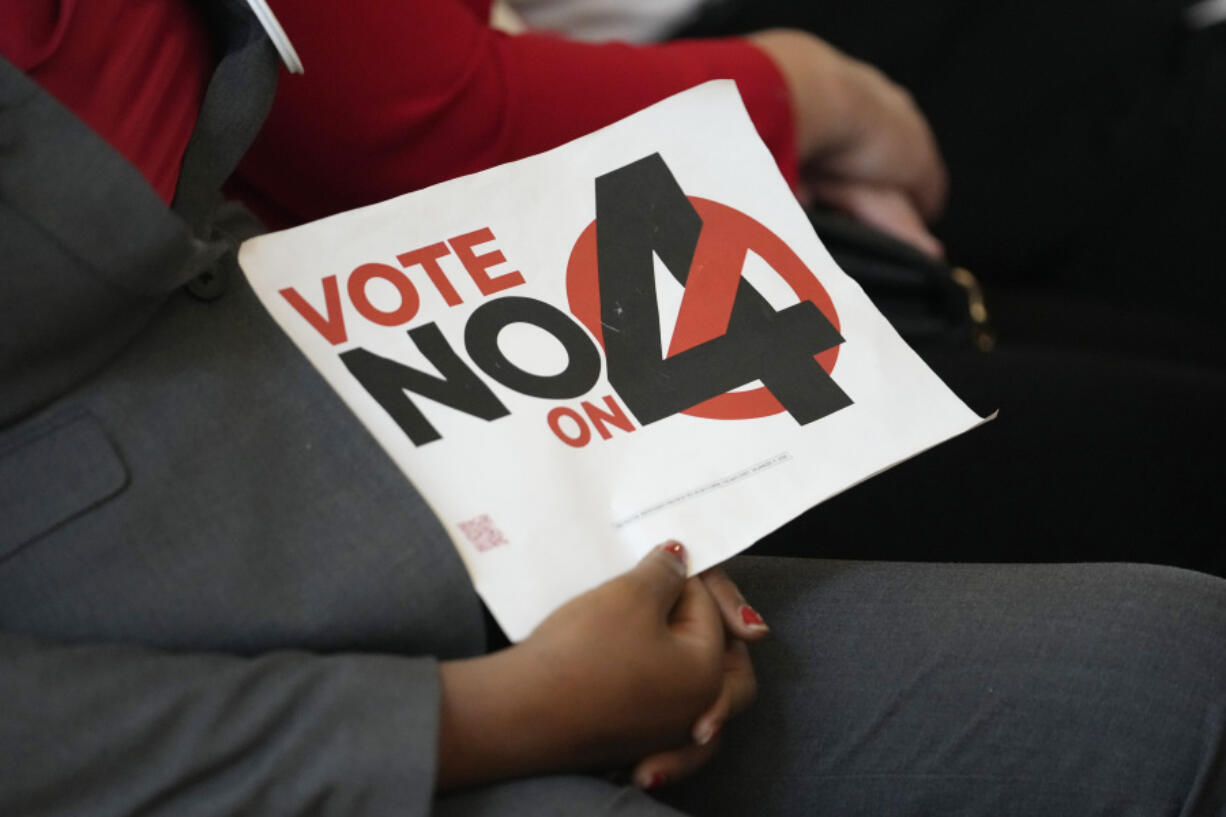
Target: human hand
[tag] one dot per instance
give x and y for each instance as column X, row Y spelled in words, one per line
column 865, row 148
column 742, row 625
column 621, row 672
column 886, row 209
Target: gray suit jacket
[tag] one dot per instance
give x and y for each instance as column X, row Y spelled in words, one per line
column 217, row 595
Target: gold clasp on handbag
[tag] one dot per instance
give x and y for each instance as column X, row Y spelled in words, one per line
column 982, row 334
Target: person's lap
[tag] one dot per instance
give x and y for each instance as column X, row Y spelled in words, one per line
column 555, row 796
column 900, row 689
column 895, row 689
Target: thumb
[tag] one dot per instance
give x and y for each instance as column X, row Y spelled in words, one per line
column 662, row 572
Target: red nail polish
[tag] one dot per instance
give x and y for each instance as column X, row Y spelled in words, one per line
column 750, row 616
column 676, row 549
column 656, row 781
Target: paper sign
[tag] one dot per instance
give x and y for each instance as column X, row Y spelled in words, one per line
column 574, row 357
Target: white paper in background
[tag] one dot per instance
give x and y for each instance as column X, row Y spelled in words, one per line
column 535, row 518
column 1206, row 13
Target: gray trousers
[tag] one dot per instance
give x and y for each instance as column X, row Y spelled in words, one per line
column 894, row 689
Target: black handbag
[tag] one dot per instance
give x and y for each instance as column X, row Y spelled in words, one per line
column 926, row 299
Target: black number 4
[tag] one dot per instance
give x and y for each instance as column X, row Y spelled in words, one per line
column 640, row 209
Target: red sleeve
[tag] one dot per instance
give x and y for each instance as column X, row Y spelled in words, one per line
column 134, row 72
column 398, row 96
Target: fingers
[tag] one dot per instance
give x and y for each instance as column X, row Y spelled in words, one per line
column 897, row 147
column 857, row 125
column 738, row 692
column 931, row 188
column 886, row 209
column 740, row 684
column 740, row 619
column 667, row 767
column 928, row 188
column 696, row 614
column 685, row 605
column 739, row 689
column 663, row 573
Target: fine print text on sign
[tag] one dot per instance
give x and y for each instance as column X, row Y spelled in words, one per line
column 633, row 337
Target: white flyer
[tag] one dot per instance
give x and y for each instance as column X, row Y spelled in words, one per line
column 631, row 338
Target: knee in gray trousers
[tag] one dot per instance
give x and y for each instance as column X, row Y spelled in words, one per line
column 922, row 689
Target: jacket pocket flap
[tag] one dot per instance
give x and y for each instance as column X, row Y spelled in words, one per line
column 53, row 473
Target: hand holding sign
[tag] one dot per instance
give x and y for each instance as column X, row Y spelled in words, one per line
column 866, row 148
column 649, row 663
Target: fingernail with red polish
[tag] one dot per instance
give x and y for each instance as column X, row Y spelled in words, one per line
column 677, row 550
column 751, row 618
column 654, row 782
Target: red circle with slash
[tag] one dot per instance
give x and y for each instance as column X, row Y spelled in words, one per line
column 714, row 275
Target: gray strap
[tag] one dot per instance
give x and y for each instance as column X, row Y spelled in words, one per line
column 235, row 105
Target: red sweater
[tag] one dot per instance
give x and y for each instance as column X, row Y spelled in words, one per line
column 398, row 96
column 134, row 72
